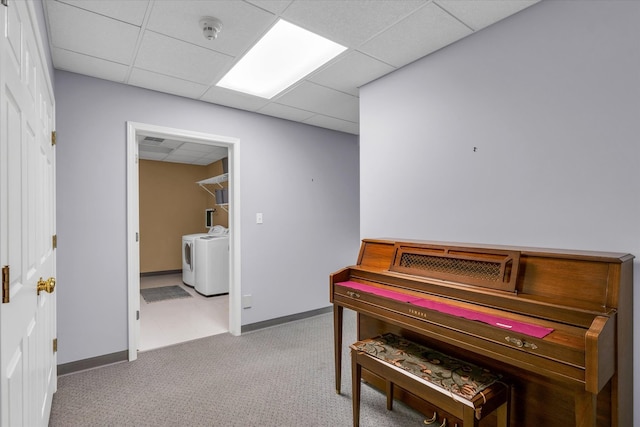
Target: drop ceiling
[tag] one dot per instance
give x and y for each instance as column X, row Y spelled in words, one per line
column 159, row 45
column 175, row 151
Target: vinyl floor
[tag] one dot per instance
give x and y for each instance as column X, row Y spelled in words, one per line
column 174, row 321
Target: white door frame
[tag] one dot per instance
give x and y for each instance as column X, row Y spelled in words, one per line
column 133, row 226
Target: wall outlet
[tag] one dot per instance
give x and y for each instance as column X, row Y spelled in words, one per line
column 259, row 218
column 246, row 301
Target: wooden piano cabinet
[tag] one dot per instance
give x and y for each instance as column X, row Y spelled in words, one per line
column 580, row 374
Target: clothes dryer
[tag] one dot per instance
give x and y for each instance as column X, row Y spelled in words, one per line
column 188, row 258
column 212, row 261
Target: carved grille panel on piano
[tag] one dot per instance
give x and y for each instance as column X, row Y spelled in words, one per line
column 558, row 323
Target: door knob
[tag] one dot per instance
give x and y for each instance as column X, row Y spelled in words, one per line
column 46, row 285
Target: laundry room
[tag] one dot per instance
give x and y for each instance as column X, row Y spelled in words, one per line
column 177, row 201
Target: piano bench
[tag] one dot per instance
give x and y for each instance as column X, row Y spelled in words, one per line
column 464, row 390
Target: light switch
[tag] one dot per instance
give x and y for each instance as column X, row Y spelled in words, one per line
column 259, row 218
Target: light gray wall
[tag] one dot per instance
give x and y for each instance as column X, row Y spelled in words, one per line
column 551, row 99
column 303, row 179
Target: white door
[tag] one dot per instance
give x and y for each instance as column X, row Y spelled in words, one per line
column 27, row 223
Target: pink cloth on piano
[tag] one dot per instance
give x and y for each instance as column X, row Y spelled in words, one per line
column 500, row 322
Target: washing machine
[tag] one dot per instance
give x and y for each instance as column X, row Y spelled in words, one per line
column 188, row 258
column 212, row 260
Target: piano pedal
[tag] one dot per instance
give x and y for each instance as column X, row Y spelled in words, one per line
column 433, row 421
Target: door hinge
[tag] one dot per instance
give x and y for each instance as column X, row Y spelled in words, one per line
column 137, row 314
column 54, row 241
column 55, row 345
column 5, row 284
column 4, row 2
column 137, row 237
column 53, row 137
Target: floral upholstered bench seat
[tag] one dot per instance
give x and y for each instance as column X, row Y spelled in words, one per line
column 464, row 390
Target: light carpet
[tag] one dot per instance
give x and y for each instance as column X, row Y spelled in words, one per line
column 277, row 376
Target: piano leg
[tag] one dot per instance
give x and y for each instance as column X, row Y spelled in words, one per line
column 586, row 406
column 337, row 336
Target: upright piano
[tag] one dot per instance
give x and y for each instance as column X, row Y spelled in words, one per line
column 558, row 324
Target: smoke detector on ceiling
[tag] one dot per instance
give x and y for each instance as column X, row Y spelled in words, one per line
column 211, row 27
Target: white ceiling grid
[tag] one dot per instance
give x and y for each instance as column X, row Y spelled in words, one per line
column 158, row 45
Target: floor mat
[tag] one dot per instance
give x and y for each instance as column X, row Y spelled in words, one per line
column 163, row 293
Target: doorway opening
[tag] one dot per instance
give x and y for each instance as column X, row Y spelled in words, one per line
column 135, row 132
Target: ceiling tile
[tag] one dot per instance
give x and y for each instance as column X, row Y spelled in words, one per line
column 174, row 159
column 242, row 23
column 479, row 14
column 319, row 99
column 332, row 123
column 201, row 149
column 202, row 162
column 426, row 31
column 216, row 153
column 285, row 112
column 165, row 55
column 162, row 83
column 350, row 72
column 234, row 99
column 170, row 143
column 183, row 152
column 83, row 32
column 273, row 6
column 88, row 65
column 349, row 22
column 128, row 11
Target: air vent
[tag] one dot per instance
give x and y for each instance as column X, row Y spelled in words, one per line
column 151, row 139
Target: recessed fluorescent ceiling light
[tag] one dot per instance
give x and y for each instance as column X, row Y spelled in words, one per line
column 283, row 56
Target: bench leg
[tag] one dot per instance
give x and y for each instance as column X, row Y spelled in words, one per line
column 356, row 376
column 389, row 395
